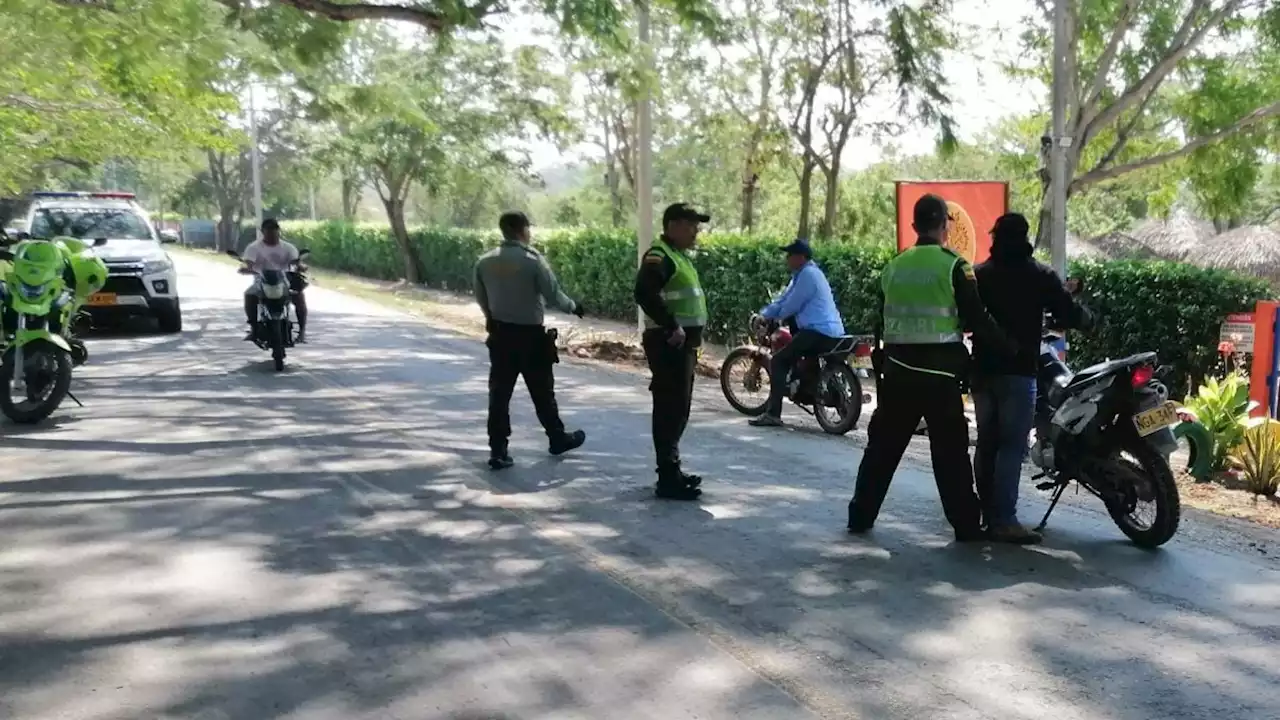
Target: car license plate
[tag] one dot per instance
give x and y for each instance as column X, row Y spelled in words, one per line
column 1156, row 419
column 100, row 299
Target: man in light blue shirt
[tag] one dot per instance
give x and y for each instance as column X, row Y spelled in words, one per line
column 809, row 304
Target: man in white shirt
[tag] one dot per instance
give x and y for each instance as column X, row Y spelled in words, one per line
column 272, row 253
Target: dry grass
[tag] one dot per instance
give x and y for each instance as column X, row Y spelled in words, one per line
column 1231, row 502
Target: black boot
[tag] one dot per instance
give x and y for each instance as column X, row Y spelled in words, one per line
column 673, row 485
column 499, row 459
column 566, row 442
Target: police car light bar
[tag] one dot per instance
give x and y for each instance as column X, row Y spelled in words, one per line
column 69, row 194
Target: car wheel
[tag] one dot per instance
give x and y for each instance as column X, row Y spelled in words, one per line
column 170, row 319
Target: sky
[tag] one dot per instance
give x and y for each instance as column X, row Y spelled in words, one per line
column 981, row 92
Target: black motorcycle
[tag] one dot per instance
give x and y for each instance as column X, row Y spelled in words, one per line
column 1107, row 427
column 275, row 329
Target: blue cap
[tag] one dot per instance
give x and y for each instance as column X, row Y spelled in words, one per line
column 799, row 247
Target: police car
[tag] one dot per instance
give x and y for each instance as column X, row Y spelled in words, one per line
column 141, row 280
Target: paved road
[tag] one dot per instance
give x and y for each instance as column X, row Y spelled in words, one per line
column 208, row 539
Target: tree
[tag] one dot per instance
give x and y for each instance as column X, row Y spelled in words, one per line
column 851, row 55
column 421, row 115
column 1150, row 82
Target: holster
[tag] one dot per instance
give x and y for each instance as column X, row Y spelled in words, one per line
column 553, row 352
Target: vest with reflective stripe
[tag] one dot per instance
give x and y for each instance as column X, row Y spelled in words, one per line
column 683, row 292
column 919, row 299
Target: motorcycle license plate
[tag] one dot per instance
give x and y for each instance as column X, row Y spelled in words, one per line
column 860, row 361
column 102, row 299
column 1156, row 419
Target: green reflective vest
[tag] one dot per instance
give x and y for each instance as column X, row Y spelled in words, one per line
column 683, row 292
column 919, row 298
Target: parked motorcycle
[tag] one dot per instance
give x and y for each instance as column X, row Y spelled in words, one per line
column 1107, row 427
column 276, row 327
column 38, row 296
column 824, row 386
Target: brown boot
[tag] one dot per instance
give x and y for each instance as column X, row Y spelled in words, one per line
column 1014, row 535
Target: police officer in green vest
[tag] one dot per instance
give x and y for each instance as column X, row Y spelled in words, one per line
column 675, row 311
column 929, row 299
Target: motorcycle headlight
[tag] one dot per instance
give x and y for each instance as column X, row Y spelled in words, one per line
column 32, row 292
column 273, row 292
column 158, row 265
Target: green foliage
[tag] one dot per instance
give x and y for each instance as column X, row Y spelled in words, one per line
column 1258, row 456
column 1172, row 309
column 1222, row 407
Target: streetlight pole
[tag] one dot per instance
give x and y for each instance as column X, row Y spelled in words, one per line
column 1059, row 144
column 644, row 154
column 254, row 160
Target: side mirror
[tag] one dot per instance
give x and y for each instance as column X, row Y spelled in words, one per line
column 303, row 254
column 99, row 242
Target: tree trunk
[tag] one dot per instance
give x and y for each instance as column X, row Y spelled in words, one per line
column 831, row 203
column 394, row 205
column 806, row 198
column 350, row 198
column 228, row 229
column 749, row 184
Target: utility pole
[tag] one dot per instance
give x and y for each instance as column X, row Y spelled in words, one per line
column 644, row 155
column 1059, row 144
column 254, row 160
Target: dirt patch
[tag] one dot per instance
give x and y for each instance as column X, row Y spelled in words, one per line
column 1230, row 502
column 616, row 351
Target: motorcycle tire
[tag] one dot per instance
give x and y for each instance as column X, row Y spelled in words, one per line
column 838, row 374
column 276, row 331
column 61, row 385
column 1165, row 492
column 749, row 356
column 79, row 353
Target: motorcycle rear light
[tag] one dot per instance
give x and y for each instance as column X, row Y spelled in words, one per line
column 1142, row 375
column 862, row 350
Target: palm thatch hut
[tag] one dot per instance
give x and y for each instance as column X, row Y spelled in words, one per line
column 1079, row 248
column 1249, row 250
column 1173, row 239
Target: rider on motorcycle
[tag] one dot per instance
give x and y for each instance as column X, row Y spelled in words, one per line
column 808, row 303
column 272, row 253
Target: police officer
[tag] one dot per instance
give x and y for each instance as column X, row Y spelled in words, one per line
column 512, row 282
column 675, row 311
column 929, row 298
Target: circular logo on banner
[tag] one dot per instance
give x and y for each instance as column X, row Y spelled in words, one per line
column 961, row 236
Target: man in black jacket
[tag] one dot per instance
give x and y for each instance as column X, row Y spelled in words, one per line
column 1016, row 290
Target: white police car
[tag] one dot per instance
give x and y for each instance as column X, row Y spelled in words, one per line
column 140, row 276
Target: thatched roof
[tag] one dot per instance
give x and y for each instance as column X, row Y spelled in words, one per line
column 1173, row 239
column 1250, row 250
column 1079, row 248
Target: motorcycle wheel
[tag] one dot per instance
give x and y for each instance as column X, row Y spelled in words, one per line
column 276, row 330
column 1155, row 485
column 79, row 353
column 753, row 367
column 29, row 411
column 839, row 393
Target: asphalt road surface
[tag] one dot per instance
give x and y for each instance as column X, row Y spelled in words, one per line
column 208, row 539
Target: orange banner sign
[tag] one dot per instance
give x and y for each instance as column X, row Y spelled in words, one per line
column 1261, row 378
column 974, row 206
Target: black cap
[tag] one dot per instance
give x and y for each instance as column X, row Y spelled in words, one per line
column 930, row 213
column 799, row 246
column 683, row 211
column 270, row 224
column 1011, row 226
column 513, row 222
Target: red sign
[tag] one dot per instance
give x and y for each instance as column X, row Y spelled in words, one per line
column 973, row 207
column 1264, row 316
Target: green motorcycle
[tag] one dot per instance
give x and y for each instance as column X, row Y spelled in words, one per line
column 38, row 296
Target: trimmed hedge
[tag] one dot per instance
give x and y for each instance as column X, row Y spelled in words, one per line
column 1171, row 308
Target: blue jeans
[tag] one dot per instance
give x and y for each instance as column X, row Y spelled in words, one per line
column 1006, row 408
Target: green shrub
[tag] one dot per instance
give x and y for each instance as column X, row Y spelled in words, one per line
column 1173, row 309
column 1170, row 308
column 1222, row 406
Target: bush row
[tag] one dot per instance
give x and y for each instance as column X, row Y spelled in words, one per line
column 1171, row 308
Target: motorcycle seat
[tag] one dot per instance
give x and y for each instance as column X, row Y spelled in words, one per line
column 1105, row 368
column 843, row 345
